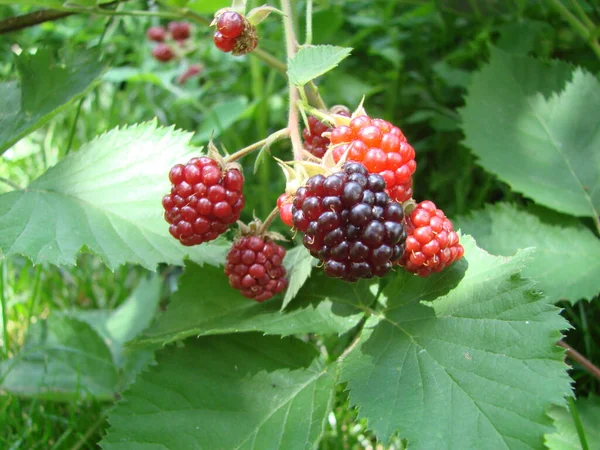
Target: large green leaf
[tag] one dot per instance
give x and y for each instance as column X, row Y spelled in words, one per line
column 227, row 392
column 298, row 263
column 313, row 61
column 106, row 198
column 535, row 125
column 62, row 359
column 46, row 87
column 475, row 368
column 205, row 304
column 566, row 261
column 566, row 436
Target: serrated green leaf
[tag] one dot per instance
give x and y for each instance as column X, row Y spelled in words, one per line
column 298, row 263
column 227, row 392
column 62, row 359
column 535, row 125
column 106, row 197
column 313, row 61
column 566, row 261
column 30, row 103
column 198, row 311
column 474, row 368
column 566, row 437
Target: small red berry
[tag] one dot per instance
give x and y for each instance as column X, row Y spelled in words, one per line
column 254, row 266
column 222, row 43
column 163, row 53
column 314, row 142
column 230, row 24
column 156, row 34
column 180, row 31
column 284, row 203
column 432, row 244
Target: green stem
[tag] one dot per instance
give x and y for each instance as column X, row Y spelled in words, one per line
column 5, row 337
column 309, row 29
column 270, row 60
column 36, row 292
column 133, row 13
column 579, row 27
column 268, row 140
column 268, row 221
column 582, row 15
column 12, row 184
column 578, row 424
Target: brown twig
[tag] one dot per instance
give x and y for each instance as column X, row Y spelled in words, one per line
column 29, row 20
column 582, row 360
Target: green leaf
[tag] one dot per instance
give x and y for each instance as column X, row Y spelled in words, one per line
column 565, row 262
column 298, row 263
column 227, row 392
column 62, row 359
column 566, row 437
column 313, row 61
column 219, row 118
column 32, row 102
column 197, row 311
column 41, row 3
column 476, row 367
column 535, row 125
column 106, row 197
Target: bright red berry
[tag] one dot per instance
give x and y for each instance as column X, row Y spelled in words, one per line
column 230, row 24
column 284, row 203
column 203, row 201
column 163, row 53
column 382, row 148
column 254, row 266
column 432, row 244
column 222, row 43
column 156, row 34
column 350, row 223
column 180, row 31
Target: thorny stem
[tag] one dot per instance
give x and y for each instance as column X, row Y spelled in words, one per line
column 576, row 356
column 268, row 221
column 284, row 132
column 580, row 28
column 290, row 45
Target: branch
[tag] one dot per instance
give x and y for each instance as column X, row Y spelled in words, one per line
column 582, row 360
column 29, row 20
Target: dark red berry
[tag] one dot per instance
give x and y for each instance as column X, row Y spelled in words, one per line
column 203, row 201
column 230, row 24
column 180, row 31
column 254, row 266
column 156, row 34
column 432, row 244
column 222, row 43
column 382, row 148
column 350, row 223
column 163, row 53
column 314, row 142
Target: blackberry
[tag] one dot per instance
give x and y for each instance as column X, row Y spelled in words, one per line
column 350, row 223
column 204, row 200
column 163, row 52
column 314, row 142
column 180, row 31
column 254, row 266
column 156, row 34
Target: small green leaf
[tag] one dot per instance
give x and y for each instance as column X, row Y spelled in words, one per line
column 565, row 262
column 535, row 125
column 298, row 263
column 566, row 436
column 313, row 61
column 227, row 392
column 477, row 366
column 30, row 103
column 106, row 197
column 198, row 311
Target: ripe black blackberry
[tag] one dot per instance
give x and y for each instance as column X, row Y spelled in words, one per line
column 350, row 223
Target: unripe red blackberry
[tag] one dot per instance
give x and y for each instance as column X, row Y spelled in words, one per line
column 163, row 53
column 254, row 266
column 314, row 142
column 234, row 33
column 204, row 200
column 432, row 244
column 350, row 223
column 156, row 34
column 222, row 43
column 180, row 31
column 230, row 24
column 382, row 148
column 284, row 203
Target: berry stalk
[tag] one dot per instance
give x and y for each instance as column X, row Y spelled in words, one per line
column 283, row 133
column 269, row 220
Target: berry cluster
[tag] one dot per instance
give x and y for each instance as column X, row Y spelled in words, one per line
column 204, row 200
column 234, row 34
column 254, row 266
column 350, row 223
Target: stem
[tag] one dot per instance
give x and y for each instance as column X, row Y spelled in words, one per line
column 582, row 15
column 582, row 360
column 270, row 60
column 268, row 221
column 309, row 7
column 5, row 338
column 290, row 45
column 12, row 184
column 323, row 116
column 268, row 140
column 578, row 424
column 29, row 20
column 579, row 27
column 313, row 96
column 129, row 12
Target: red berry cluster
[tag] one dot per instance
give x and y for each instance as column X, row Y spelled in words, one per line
column 314, row 141
column 234, row 34
column 432, row 243
column 204, row 200
column 255, row 267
